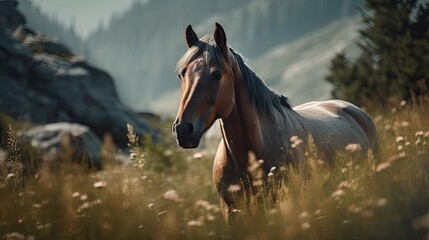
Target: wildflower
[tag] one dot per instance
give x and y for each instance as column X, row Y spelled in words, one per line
column 399, row 139
column 172, row 195
column 419, row 134
column 161, row 213
column 168, row 152
column 133, row 156
column 296, row 141
column 150, row 205
column 305, row 226
column 234, row 188
column 303, row 215
column 100, row 184
column 202, row 203
column 199, row 155
column 403, row 103
column 210, row 217
column 270, row 174
column 195, row 223
column 378, row 118
column 18, row 236
column 40, row 226
column 75, row 195
column 257, row 183
column 353, row 147
column 10, row 176
column 381, row 202
column 354, row 208
column 83, row 197
column 344, row 184
column 396, row 157
column 337, row 194
column 405, row 124
column 86, row 205
column 383, row 166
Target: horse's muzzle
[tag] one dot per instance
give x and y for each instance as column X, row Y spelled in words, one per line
column 186, row 134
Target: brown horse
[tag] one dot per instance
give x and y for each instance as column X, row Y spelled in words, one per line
column 217, row 84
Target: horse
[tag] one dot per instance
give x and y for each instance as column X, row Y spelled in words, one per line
column 216, row 83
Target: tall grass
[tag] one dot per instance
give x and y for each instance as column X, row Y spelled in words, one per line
column 167, row 193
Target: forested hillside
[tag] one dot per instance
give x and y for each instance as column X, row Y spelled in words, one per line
column 41, row 22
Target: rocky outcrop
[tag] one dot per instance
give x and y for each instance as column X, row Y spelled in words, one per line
column 42, row 81
column 64, row 141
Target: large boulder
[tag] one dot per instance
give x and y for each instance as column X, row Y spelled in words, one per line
column 42, row 81
column 64, row 141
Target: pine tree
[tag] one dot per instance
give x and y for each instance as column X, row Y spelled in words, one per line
column 394, row 60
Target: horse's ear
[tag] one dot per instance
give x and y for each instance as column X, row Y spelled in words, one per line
column 191, row 36
column 220, row 38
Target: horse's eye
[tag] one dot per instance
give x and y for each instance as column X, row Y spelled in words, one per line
column 183, row 72
column 216, row 75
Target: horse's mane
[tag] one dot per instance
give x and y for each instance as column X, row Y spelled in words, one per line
column 261, row 96
column 265, row 99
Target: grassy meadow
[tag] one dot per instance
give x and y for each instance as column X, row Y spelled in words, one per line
column 167, row 193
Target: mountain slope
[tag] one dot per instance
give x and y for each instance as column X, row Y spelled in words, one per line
column 298, row 69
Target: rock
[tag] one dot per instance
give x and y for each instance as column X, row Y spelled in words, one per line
column 42, row 81
column 57, row 141
column 3, row 155
column 10, row 17
column 40, row 43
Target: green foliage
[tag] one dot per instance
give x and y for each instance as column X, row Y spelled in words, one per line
column 356, row 198
column 394, row 62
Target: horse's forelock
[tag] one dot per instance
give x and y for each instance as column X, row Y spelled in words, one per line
column 205, row 47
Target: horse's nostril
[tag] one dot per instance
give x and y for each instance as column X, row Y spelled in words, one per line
column 190, row 129
column 183, row 129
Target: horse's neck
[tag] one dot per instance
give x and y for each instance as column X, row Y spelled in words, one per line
column 241, row 130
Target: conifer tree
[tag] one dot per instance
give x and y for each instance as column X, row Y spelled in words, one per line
column 394, row 60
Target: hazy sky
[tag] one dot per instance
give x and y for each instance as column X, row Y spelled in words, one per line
column 85, row 15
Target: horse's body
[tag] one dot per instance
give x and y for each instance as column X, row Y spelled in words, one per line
column 217, row 84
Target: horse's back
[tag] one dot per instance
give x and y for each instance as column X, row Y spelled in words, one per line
column 335, row 124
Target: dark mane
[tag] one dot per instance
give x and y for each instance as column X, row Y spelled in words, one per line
column 263, row 98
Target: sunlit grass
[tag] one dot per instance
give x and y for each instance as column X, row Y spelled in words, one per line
column 167, row 193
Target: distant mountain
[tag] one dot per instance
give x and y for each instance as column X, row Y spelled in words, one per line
column 141, row 47
column 48, row 25
column 296, row 69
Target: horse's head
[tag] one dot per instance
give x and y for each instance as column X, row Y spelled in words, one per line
column 207, row 80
